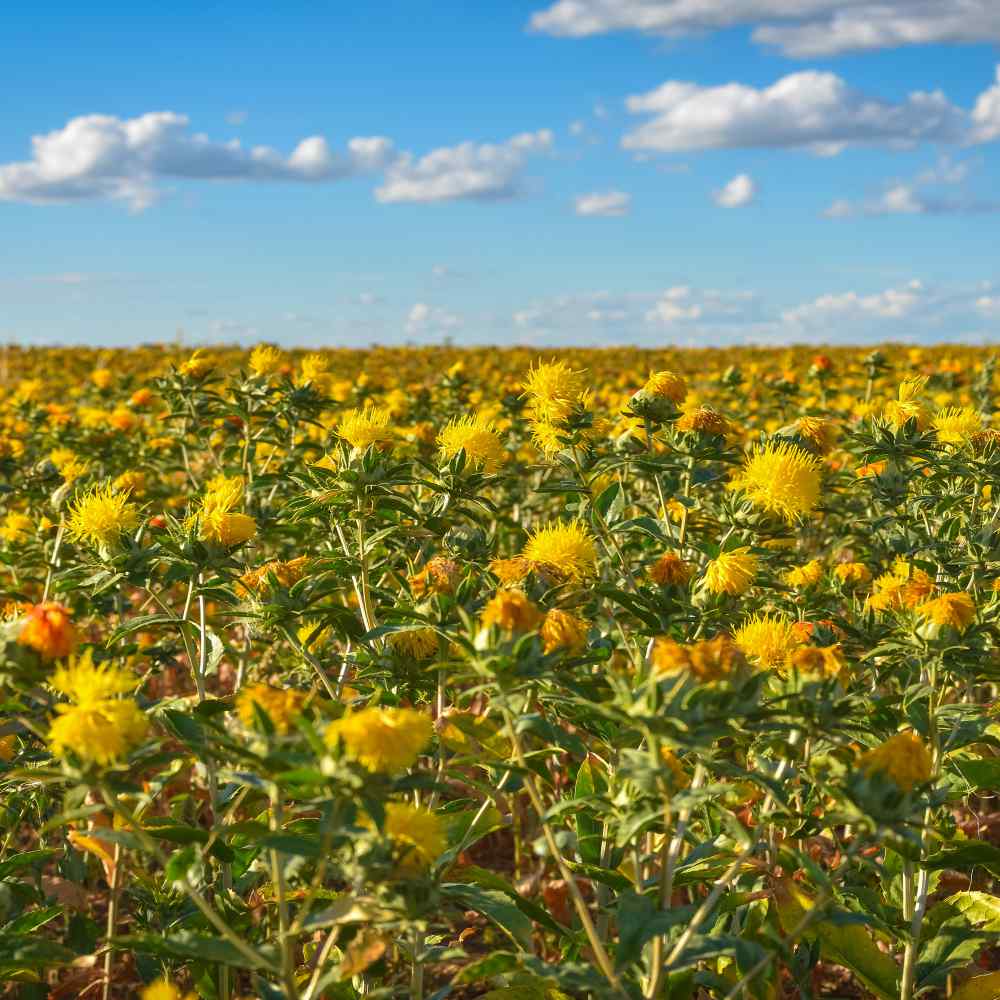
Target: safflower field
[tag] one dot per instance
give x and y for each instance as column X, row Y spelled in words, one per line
column 493, row 673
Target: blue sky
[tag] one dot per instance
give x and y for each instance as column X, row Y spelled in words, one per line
column 542, row 171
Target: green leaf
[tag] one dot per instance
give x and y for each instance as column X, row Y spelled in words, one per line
column 589, row 830
column 472, row 874
column 841, row 939
column 965, row 855
column 956, row 930
column 494, row 905
column 25, row 860
column 31, row 951
column 639, row 920
column 185, row 944
column 980, row 773
column 31, row 921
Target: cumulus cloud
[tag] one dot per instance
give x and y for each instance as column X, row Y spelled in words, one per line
column 484, row 172
column 100, row 156
column 892, row 303
column 738, row 192
column 930, row 192
column 130, row 159
column 679, row 311
column 685, row 314
column 603, row 203
column 811, row 110
column 425, row 319
column 799, row 28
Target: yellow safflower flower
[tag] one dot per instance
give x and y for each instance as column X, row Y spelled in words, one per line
column 417, row 835
column 767, row 640
column 731, row 572
column 512, row 611
column 903, row 758
column 477, row 437
column 955, row 609
column 101, row 516
column 780, row 478
column 97, row 727
column 554, row 391
column 382, row 739
column 562, row 630
column 563, row 549
column 281, row 705
column 363, row 428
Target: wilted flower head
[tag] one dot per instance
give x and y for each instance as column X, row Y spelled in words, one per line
column 780, row 478
column 100, row 517
column 903, row 758
column 477, row 437
column 385, row 740
column 731, row 572
column 286, row 573
column 563, row 549
column 708, row 660
column 48, row 629
column 767, row 640
column 439, row 576
column 703, row 420
column 819, row 434
column 670, row 570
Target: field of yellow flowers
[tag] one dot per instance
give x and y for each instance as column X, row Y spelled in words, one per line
column 427, row 673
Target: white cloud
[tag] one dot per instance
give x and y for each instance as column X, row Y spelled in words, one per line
column 237, row 118
column 892, row 303
column 986, row 111
column 674, row 306
column 989, row 305
column 680, row 311
column 104, row 157
column 800, row 28
column 924, row 194
column 603, row 203
column 738, row 192
column 814, row 111
column 100, row 156
column 427, row 319
column 488, row 171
